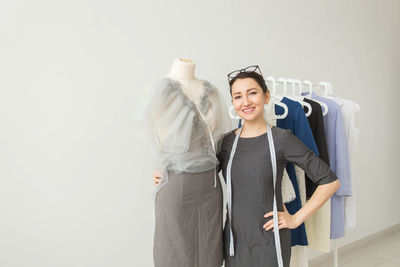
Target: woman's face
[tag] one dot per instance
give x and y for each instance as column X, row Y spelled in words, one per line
column 248, row 99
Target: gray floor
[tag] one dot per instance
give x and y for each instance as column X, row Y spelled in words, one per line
column 378, row 250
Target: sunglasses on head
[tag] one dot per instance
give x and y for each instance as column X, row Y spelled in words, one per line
column 249, row 69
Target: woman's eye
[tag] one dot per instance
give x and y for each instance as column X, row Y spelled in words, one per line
column 237, row 97
column 253, row 93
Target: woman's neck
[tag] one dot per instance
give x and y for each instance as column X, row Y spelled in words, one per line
column 254, row 127
column 182, row 69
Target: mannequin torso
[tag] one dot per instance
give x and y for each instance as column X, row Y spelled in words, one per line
column 183, row 71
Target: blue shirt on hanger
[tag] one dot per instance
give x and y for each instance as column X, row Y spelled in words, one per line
column 297, row 122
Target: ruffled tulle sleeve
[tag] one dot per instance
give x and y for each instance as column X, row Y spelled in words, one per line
column 181, row 130
column 171, row 115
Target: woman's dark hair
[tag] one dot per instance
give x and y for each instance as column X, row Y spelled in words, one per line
column 254, row 75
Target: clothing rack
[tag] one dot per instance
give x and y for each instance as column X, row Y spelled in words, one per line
column 291, row 84
column 306, row 84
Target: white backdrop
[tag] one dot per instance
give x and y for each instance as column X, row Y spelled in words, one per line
column 70, row 76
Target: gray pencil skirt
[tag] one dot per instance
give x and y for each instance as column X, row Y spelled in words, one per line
column 188, row 221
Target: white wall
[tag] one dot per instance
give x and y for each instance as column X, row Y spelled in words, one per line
column 70, row 75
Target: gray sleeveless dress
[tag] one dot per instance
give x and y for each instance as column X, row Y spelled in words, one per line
column 189, row 221
column 252, row 194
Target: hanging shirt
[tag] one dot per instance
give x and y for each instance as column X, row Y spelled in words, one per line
column 349, row 109
column 316, row 121
column 318, row 225
column 297, row 122
column 339, row 163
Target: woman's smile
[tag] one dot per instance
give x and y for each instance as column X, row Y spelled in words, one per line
column 248, row 110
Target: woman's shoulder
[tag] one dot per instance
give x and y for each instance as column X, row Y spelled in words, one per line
column 280, row 131
column 228, row 139
column 281, row 135
column 229, row 135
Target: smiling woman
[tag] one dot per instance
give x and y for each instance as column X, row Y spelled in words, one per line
column 252, row 160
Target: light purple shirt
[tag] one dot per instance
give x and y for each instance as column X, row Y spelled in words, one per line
column 339, row 162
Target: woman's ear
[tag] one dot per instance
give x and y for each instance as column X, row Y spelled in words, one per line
column 267, row 97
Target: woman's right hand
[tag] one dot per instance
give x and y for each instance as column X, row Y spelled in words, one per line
column 157, row 177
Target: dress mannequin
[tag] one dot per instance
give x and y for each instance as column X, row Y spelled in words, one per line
column 184, row 113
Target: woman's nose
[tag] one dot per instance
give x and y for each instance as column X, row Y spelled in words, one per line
column 245, row 100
